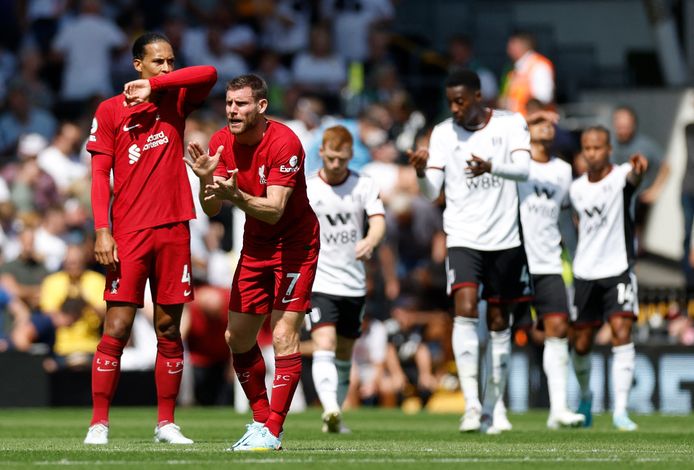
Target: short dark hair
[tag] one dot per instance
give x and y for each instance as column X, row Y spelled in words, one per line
column 143, row 40
column 252, row 81
column 598, row 128
column 627, row 109
column 463, row 77
column 525, row 36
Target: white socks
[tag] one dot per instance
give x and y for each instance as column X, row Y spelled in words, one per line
column 555, row 362
column 582, row 371
column 466, row 352
column 325, row 379
column 343, row 370
column 623, row 359
column 499, row 353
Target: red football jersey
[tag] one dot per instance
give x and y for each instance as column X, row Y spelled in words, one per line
column 278, row 160
column 151, row 186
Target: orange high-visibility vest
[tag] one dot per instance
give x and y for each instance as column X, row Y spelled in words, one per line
column 517, row 90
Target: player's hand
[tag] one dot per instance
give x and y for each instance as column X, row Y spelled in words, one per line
column 541, row 116
column 476, row 166
column 137, row 91
column 418, row 159
column 106, row 249
column 202, row 163
column 223, row 190
column 364, row 249
column 639, row 163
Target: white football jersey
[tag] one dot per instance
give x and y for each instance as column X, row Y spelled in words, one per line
column 605, row 236
column 340, row 210
column 542, row 197
column 481, row 212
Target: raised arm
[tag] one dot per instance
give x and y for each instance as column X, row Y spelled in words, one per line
column 639, row 165
column 198, row 79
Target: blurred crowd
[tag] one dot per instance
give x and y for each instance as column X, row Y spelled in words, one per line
column 326, row 62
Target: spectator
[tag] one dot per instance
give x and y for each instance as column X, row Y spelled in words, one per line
column 409, row 360
column 688, row 209
column 308, row 116
column 21, row 118
column 368, row 132
column 20, row 280
column 50, row 238
column 73, row 299
column 286, row 31
column 204, row 46
column 532, row 75
column 367, row 380
column 352, row 21
column 32, row 188
column 22, row 277
column 320, row 69
column 85, row 45
column 61, row 159
column 628, row 141
column 31, row 63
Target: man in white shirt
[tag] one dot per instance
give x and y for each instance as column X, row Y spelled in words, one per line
column 605, row 285
column 542, row 198
column 479, row 153
column 340, row 198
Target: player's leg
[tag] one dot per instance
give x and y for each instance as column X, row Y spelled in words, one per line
column 286, row 327
column 171, row 286
column 620, row 300
column 124, row 292
column 506, row 283
column 322, row 319
column 498, row 357
column 551, row 304
column 106, row 367
column 464, row 269
column 168, row 370
column 588, row 303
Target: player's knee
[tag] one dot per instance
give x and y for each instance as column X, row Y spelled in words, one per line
column 118, row 328
column 556, row 327
column 168, row 329
column 466, row 308
column 582, row 346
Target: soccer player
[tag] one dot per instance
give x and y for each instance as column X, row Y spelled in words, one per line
column 340, row 198
column 479, row 153
column 542, row 198
column 258, row 165
column 605, row 285
column 139, row 136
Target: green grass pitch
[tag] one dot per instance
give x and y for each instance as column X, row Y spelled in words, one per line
column 52, row 438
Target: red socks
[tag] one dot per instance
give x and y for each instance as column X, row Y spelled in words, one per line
column 105, row 374
column 168, row 370
column 250, row 370
column 287, row 376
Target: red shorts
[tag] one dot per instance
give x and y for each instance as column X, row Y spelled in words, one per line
column 262, row 285
column 160, row 254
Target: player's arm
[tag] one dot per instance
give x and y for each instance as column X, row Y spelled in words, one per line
column 517, row 169
column 377, row 230
column 268, row 209
column 105, row 248
column 639, row 165
column 429, row 179
column 198, row 79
